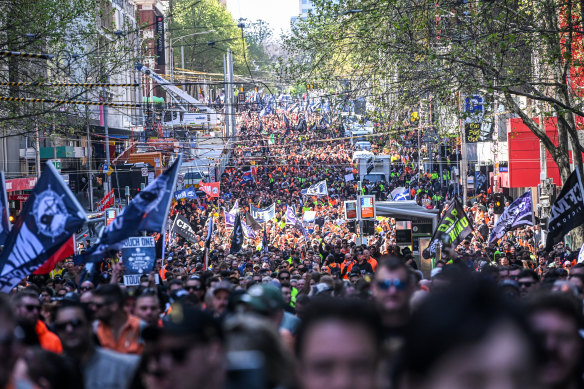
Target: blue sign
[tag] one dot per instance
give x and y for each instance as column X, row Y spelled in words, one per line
column 105, row 168
column 138, row 256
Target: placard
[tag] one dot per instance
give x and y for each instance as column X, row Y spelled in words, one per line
column 138, row 256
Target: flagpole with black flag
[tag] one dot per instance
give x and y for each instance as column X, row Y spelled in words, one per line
column 567, row 212
column 208, row 244
column 48, row 219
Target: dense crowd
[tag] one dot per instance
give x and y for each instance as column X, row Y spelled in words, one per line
column 312, row 308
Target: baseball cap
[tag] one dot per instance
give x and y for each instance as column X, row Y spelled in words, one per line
column 223, row 285
column 264, row 298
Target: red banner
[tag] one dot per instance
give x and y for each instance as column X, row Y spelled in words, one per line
column 67, row 250
column 20, row 197
column 20, row 184
column 107, row 201
column 210, row 188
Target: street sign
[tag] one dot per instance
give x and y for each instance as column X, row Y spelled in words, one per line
column 105, row 168
column 110, row 215
column 351, row 210
column 144, row 172
column 57, row 163
column 180, row 178
column 366, row 207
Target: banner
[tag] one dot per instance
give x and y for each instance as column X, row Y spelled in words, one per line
column 349, row 177
column 236, row 236
column 518, row 214
column 182, row 227
column 452, row 229
column 4, row 220
column 185, row 194
column 567, row 212
column 148, row 211
column 318, row 189
column 230, row 216
column 248, row 232
column 262, row 215
column 290, row 216
column 138, row 257
column 48, row 219
column 210, row 188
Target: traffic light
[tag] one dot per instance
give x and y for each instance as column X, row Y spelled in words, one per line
column 498, row 203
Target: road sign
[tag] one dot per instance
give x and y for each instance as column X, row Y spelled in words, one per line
column 366, row 207
column 57, row 163
column 180, row 178
column 144, row 172
column 105, row 168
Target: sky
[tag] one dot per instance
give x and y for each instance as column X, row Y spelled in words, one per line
column 275, row 12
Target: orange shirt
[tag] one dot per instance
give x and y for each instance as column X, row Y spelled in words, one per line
column 128, row 341
column 373, row 263
column 48, row 340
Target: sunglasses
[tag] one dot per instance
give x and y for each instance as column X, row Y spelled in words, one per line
column 193, row 287
column 100, row 305
column 526, row 284
column 75, row 323
column 397, row 283
column 84, row 288
column 32, row 307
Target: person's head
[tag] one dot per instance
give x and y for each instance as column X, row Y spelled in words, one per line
column 27, row 307
column 86, row 286
column 393, row 287
column 8, row 341
column 187, row 352
column 195, row 286
column 286, row 291
column 73, row 326
column 338, row 344
column 220, row 297
column 108, row 301
column 147, row 307
column 466, row 334
column 556, row 318
column 39, row 368
column 527, row 280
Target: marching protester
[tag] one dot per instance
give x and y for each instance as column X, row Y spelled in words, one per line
column 259, row 280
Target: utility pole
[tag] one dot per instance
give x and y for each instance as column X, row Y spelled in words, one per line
column 89, row 164
column 231, row 97
column 37, row 145
column 106, row 130
column 226, row 97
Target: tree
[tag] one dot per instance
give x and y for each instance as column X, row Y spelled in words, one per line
column 205, row 52
column 527, row 54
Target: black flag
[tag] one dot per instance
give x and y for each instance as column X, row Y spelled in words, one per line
column 250, row 221
column 452, row 229
column 567, row 212
column 236, row 236
column 182, row 227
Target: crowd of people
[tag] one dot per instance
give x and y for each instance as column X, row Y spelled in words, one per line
column 310, row 307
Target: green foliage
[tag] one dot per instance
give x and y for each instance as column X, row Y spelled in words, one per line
column 398, row 53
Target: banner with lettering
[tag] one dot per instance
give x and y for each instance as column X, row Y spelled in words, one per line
column 452, row 229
